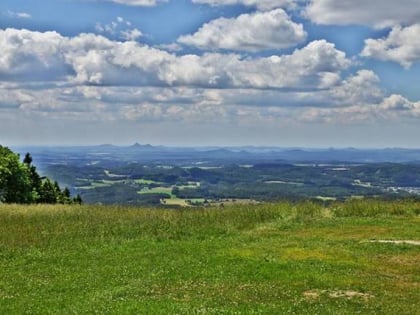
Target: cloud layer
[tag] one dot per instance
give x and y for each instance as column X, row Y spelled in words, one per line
column 93, row 59
column 114, row 80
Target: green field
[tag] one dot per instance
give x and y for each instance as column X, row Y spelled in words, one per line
column 175, row 202
column 241, row 259
column 146, row 182
column 157, row 190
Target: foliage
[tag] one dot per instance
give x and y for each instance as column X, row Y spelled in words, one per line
column 15, row 182
column 21, row 183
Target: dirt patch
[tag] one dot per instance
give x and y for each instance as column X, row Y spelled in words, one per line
column 349, row 294
column 311, row 295
column 398, row 242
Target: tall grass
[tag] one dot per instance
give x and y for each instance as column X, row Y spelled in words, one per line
column 36, row 223
column 375, row 208
column 33, row 224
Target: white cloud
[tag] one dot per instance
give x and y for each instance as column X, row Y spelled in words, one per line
column 360, row 88
column 307, row 68
column 346, row 103
column 94, row 103
column 170, row 47
column 400, row 105
column 378, row 13
column 131, row 35
column 23, row 15
column 31, row 55
column 94, row 78
column 19, row 15
column 140, row 3
column 93, row 59
column 248, row 32
column 402, row 45
column 259, row 4
column 391, row 108
column 119, row 28
column 356, row 105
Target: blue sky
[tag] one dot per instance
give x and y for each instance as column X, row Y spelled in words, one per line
column 315, row 73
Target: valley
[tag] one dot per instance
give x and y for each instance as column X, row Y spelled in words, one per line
column 148, row 175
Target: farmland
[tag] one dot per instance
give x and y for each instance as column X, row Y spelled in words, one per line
column 147, row 175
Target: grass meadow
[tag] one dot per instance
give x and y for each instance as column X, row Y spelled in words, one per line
column 278, row 258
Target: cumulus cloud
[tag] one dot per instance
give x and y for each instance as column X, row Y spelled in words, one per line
column 128, row 63
column 360, row 88
column 311, row 67
column 402, row 45
column 399, row 104
column 394, row 107
column 131, row 35
column 31, row 55
column 378, row 13
column 347, row 102
column 356, row 99
column 13, row 98
column 98, row 103
column 259, row 4
column 93, row 59
column 357, row 89
column 248, row 32
column 92, row 77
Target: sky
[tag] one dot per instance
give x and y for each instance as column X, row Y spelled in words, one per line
column 301, row 73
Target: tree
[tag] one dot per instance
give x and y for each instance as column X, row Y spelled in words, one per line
column 21, row 183
column 48, row 192
column 77, row 199
column 65, row 196
column 175, row 191
column 66, row 193
column 15, row 183
column 36, row 181
column 28, row 159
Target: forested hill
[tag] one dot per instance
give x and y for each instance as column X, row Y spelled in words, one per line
column 21, row 183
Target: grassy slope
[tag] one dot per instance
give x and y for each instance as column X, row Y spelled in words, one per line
column 255, row 259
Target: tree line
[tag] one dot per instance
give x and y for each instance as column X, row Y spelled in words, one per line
column 21, row 183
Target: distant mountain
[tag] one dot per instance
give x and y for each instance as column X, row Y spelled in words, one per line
column 107, row 146
column 141, row 147
column 252, row 154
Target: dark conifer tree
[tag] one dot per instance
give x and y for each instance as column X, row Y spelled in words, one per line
column 36, row 181
column 78, row 199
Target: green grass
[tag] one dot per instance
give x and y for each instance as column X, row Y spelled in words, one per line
column 157, row 190
column 100, row 183
column 244, row 259
column 190, row 185
column 146, row 182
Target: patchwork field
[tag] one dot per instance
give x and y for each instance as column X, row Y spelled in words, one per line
column 358, row 257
